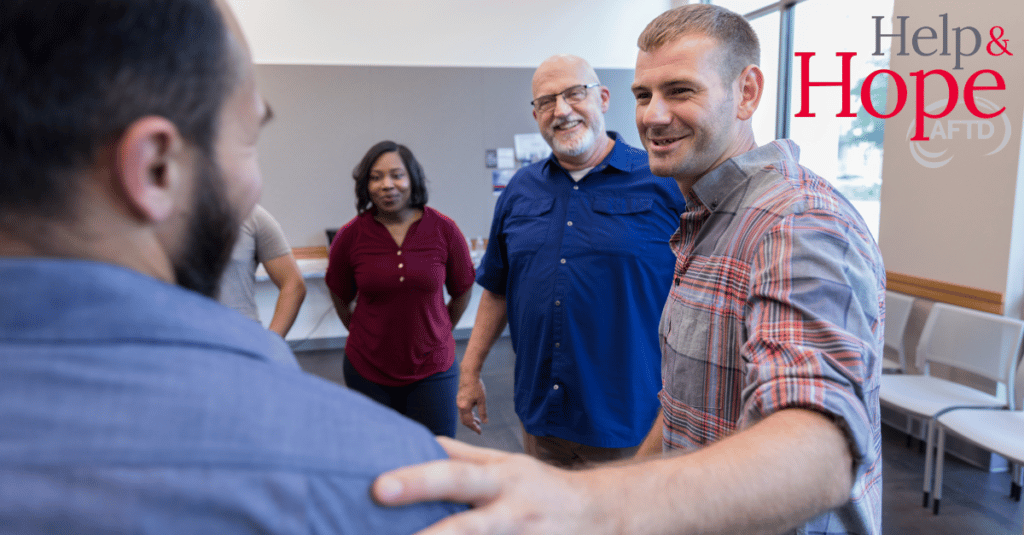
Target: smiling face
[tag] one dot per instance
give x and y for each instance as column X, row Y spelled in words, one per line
column 572, row 130
column 389, row 185
column 688, row 118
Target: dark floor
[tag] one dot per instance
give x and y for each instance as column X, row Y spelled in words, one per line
column 973, row 502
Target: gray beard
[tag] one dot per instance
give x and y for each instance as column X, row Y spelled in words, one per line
column 579, row 146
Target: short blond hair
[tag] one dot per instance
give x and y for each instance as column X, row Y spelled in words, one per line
column 739, row 43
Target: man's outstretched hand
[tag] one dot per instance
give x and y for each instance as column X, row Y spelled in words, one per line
column 509, row 493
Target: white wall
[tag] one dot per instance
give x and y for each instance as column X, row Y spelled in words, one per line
column 452, row 33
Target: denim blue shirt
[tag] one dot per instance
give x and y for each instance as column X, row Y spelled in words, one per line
column 585, row 268
column 128, row 405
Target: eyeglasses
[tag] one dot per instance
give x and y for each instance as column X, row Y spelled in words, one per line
column 573, row 95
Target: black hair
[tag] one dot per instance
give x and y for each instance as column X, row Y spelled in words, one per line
column 74, row 75
column 417, row 179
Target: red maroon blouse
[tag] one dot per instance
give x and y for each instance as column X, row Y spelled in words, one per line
column 400, row 331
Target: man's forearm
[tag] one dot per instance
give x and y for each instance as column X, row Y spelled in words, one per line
column 289, row 300
column 285, row 274
column 491, row 318
column 791, row 467
column 787, row 469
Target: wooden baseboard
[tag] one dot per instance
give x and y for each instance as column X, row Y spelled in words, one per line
column 946, row 292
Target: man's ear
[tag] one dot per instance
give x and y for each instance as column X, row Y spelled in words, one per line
column 148, row 167
column 751, row 86
column 606, row 97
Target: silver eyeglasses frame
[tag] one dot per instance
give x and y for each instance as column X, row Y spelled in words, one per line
column 572, row 95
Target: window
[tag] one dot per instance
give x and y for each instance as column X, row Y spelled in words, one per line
column 845, row 151
column 767, row 28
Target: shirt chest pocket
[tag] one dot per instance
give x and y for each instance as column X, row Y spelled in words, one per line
column 623, row 226
column 526, row 228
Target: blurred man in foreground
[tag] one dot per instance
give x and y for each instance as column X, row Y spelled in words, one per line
column 130, row 402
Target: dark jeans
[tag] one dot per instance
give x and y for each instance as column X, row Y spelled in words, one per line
column 429, row 401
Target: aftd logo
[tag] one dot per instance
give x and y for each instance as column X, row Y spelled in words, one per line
column 971, row 138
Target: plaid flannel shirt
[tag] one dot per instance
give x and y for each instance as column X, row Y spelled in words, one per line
column 777, row 302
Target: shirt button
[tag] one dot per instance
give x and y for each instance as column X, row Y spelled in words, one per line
column 400, row 266
column 558, row 344
column 563, row 261
column 558, row 303
column 555, row 387
column 401, row 279
column 575, row 187
column 399, row 253
column 569, row 223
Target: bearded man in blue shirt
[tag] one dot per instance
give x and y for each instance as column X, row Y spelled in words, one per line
column 578, row 265
column 130, row 402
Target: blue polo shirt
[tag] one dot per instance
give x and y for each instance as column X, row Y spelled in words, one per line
column 585, row 268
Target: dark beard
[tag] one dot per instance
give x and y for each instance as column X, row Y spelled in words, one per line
column 212, row 231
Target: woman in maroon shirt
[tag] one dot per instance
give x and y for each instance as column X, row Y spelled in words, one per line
column 394, row 259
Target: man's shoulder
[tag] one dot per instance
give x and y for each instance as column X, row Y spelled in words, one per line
column 196, row 375
column 531, row 173
column 529, row 182
column 778, row 188
column 801, row 189
column 156, row 403
column 780, row 181
column 634, row 161
column 106, row 304
column 633, row 154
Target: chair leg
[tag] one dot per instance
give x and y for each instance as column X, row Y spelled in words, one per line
column 910, row 431
column 1015, row 482
column 940, row 457
column 929, row 430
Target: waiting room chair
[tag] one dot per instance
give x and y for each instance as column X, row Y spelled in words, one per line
column 978, row 342
column 897, row 312
column 998, row 431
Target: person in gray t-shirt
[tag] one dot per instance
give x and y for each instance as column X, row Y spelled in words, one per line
column 261, row 240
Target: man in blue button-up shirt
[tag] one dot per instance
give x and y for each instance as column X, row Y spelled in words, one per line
column 130, row 402
column 578, row 265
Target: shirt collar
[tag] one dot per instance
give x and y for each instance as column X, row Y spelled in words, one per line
column 617, row 158
column 718, row 183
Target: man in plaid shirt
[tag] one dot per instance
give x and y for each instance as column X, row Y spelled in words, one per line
column 771, row 335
